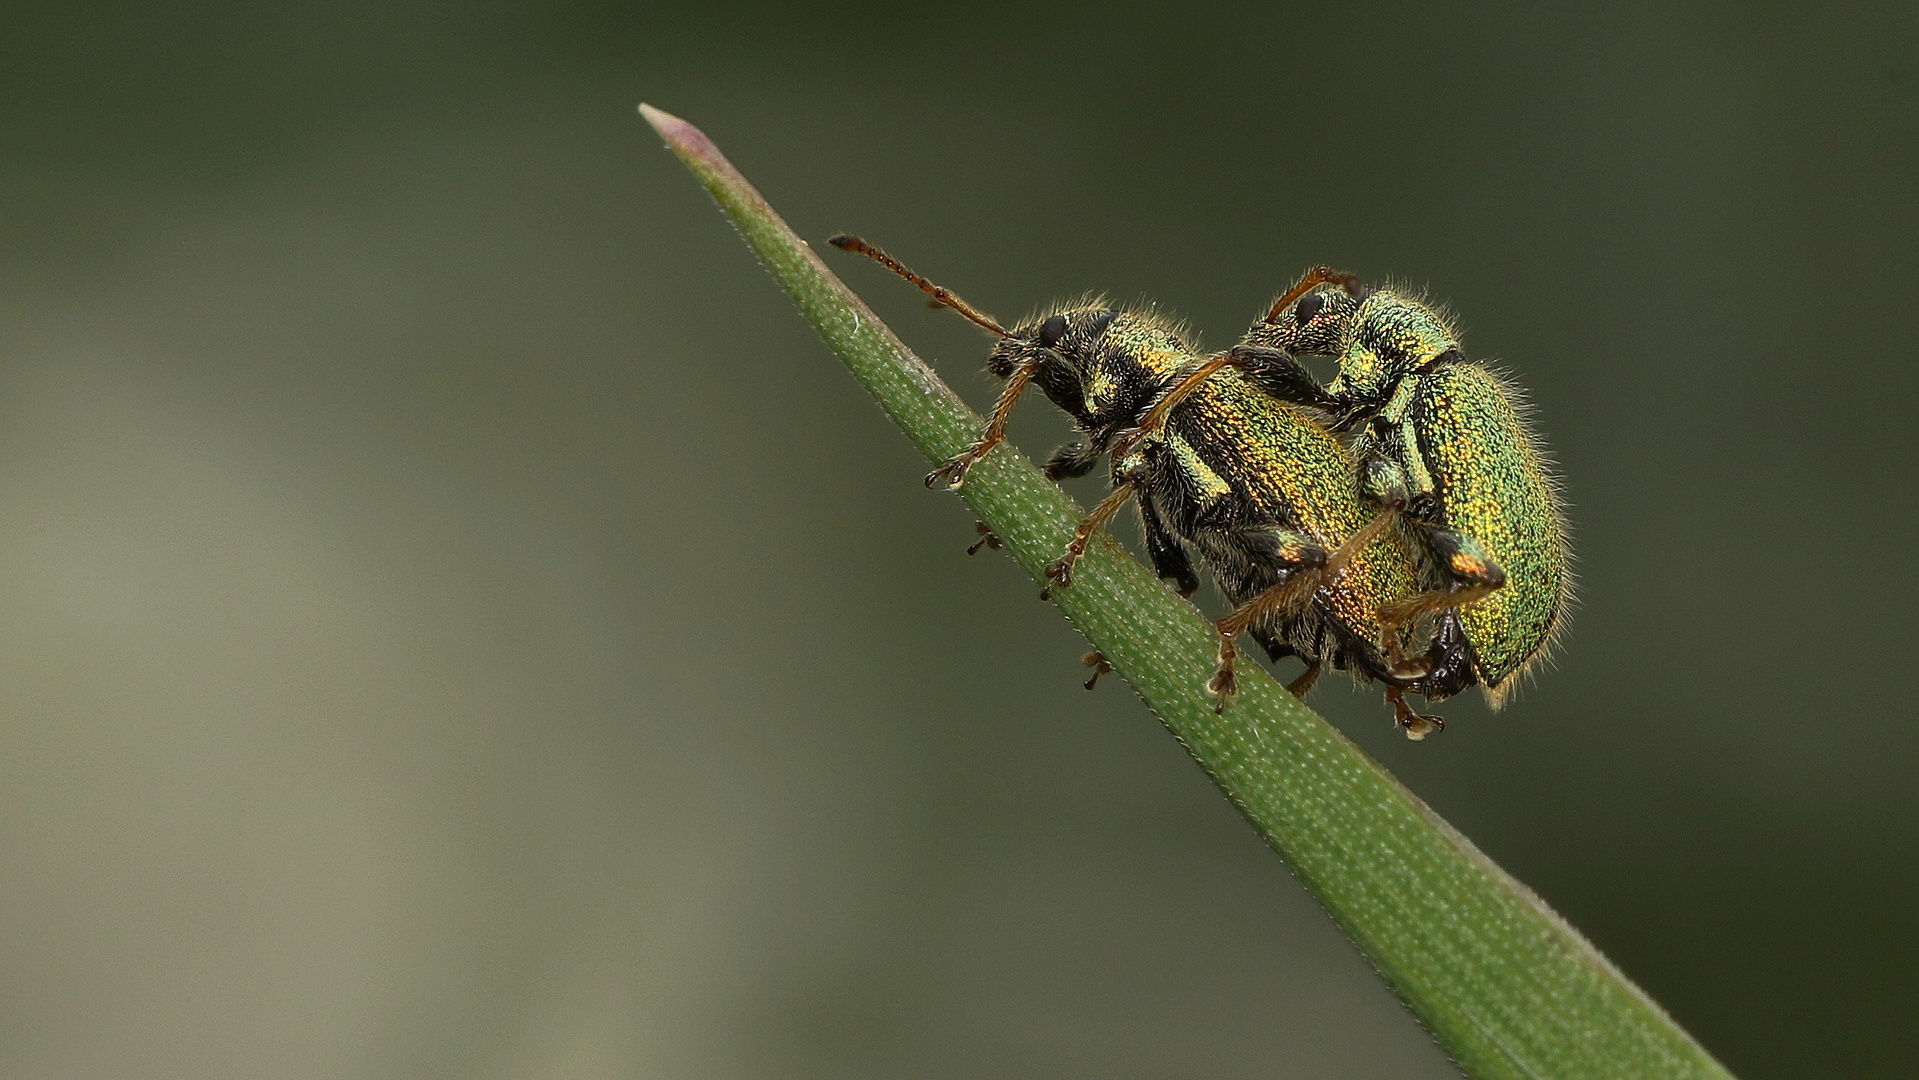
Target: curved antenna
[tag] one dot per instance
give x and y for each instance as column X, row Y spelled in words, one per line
column 1318, row 275
column 849, row 242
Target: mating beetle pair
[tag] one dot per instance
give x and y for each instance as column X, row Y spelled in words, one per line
column 1398, row 523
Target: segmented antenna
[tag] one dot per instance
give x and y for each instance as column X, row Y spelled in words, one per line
column 849, row 242
column 1317, row 276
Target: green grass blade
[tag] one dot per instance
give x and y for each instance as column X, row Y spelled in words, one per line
column 1505, row 985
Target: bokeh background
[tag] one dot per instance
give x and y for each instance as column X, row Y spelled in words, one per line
column 457, row 621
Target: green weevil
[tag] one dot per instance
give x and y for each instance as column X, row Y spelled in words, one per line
column 1258, row 487
column 1443, row 443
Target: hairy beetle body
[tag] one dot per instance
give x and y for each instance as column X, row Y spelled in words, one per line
column 1446, row 440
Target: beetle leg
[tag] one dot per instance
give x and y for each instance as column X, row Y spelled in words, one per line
column 1169, row 558
column 1271, row 370
column 1299, row 687
column 1302, row 559
column 1155, row 419
column 1309, row 565
column 1099, row 665
column 1280, row 375
column 1431, row 602
column 986, row 539
column 1384, row 482
column 1415, row 725
column 1060, row 570
column 1471, row 572
column 1073, row 459
column 954, row 471
column 1312, row 279
column 1447, row 663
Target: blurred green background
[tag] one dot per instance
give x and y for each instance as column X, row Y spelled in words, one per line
column 457, row 620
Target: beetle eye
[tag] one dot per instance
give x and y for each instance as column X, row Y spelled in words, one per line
column 1308, row 308
column 1050, row 333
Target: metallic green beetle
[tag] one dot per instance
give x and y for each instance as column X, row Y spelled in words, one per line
column 1261, row 490
column 1446, row 441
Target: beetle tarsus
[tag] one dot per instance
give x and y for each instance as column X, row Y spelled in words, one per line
column 1099, row 665
column 986, row 539
column 1416, row 725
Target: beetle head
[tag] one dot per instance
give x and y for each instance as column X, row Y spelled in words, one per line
column 1311, row 326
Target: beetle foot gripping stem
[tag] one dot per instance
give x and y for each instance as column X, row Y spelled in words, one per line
column 1225, row 681
column 1059, row 572
column 986, row 539
column 953, row 473
column 1099, row 665
column 1415, row 725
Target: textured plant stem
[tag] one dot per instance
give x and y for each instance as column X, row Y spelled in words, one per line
column 1505, row 985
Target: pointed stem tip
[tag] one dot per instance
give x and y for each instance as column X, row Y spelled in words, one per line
column 684, row 138
column 656, row 117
